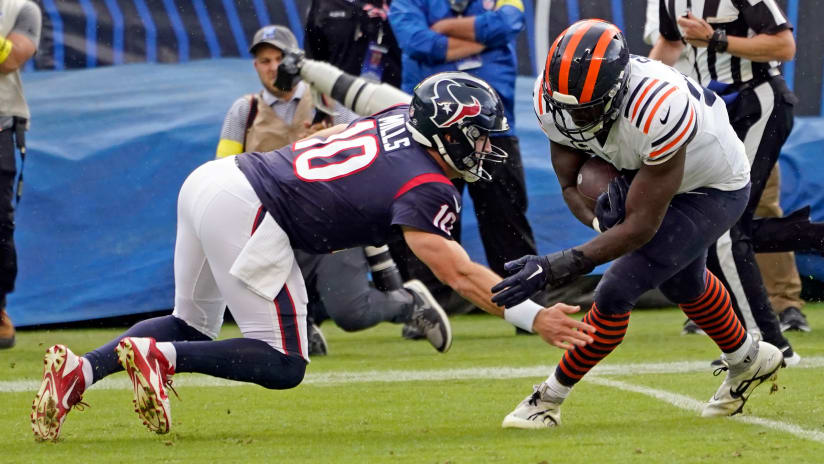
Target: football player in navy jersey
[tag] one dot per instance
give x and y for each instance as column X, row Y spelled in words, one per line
column 241, row 217
column 690, row 185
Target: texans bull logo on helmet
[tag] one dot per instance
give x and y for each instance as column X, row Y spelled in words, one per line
column 449, row 108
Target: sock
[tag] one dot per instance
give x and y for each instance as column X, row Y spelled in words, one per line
column 169, row 352
column 242, row 359
column 555, row 390
column 609, row 332
column 748, row 348
column 88, row 374
column 103, row 360
column 713, row 312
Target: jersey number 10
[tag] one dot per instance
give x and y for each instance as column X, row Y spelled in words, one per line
column 338, row 156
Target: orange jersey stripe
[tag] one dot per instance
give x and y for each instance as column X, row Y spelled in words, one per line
column 665, row 148
column 655, row 108
column 641, row 97
column 566, row 59
column 595, row 63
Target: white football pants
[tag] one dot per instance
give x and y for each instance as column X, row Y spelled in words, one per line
column 219, row 239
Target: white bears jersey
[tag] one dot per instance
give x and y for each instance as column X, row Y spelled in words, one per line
column 662, row 111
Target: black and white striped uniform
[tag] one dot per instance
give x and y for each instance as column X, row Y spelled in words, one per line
column 760, row 107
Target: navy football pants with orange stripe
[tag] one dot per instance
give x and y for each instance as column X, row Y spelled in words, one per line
column 674, row 261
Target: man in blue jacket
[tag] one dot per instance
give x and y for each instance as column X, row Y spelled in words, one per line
column 478, row 37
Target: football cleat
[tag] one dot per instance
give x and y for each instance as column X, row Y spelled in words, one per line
column 150, row 373
column 742, row 379
column 317, row 342
column 61, row 390
column 534, row 412
column 793, row 319
column 691, row 327
column 428, row 316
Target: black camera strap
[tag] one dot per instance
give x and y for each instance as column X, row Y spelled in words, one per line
column 19, row 127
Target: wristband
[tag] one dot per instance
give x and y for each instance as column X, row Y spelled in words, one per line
column 718, row 41
column 5, row 49
column 522, row 315
column 596, row 225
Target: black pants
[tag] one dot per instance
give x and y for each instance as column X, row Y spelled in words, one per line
column 8, row 255
column 338, row 288
column 694, row 220
column 762, row 117
column 500, row 207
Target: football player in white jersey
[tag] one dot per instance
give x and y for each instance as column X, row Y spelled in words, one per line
column 685, row 182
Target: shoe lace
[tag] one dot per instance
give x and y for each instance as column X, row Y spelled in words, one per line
column 420, row 320
column 80, row 405
column 168, row 384
column 724, row 367
column 538, row 391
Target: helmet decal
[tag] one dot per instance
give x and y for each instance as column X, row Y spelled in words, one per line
column 448, row 108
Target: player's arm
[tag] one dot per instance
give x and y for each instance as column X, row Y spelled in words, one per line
column 452, row 266
column 566, row 161
column 668, row 46
column 666, row 51
column 647, row 201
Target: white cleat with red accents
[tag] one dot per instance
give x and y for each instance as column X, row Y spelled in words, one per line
column 61, row 390
column 150, row 373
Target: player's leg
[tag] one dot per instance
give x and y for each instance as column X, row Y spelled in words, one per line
column 342, row 285
column 779, row 270
column 695, row 219
column 762, row 118
column 66, row 375
column 343, row 288
column 230, row 226
column 705, row 300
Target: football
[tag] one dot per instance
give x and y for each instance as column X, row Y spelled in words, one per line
column 593, row 178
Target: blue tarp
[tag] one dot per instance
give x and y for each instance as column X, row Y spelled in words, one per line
column 110, row 147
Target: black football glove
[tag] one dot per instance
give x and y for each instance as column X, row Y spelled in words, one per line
column 533, row 273
column 610, row 207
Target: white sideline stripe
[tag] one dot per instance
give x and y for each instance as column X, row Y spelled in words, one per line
column 685, row 402
column 335, row 378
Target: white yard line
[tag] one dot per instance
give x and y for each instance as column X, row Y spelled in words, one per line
column 597, row 377
column 334, row 378
column 685, row 402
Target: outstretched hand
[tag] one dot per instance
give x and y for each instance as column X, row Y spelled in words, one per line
column 533, row 273
column 558, row 329
column 530, row 276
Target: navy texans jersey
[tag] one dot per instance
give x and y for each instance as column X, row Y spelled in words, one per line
column 350, row 189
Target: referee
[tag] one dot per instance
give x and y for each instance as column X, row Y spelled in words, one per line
column 736, row 47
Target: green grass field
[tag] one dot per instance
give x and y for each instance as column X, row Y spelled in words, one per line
column 378, row 398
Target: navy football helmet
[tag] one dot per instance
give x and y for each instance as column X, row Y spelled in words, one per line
column 450, row 112
column 586, row 77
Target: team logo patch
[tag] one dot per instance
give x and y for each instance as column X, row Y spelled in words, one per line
column 450, row 109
